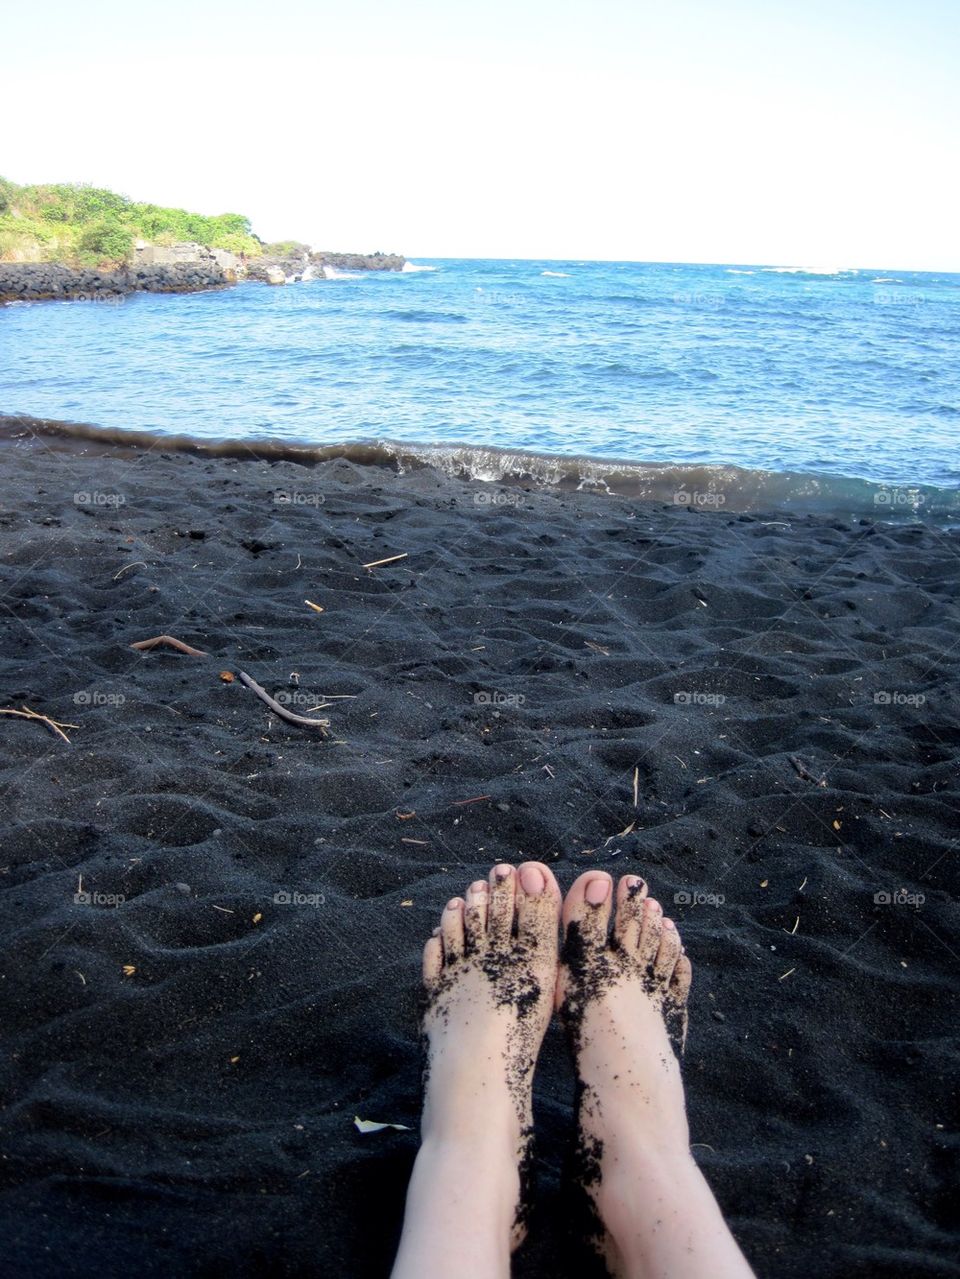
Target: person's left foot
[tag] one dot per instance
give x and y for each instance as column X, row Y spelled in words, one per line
column 490, row 973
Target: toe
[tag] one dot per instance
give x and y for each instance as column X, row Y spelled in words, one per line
column 668, row 952
column 631, row 894
column 502, row 901
column 650, row 931
column 675, row 1004
column 432, row 961
column 538, row 905
column 451, row 930
column 587, row 905
column 680, row 981
column 475, row 915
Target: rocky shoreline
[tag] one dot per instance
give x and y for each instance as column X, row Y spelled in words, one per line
column 177, row 269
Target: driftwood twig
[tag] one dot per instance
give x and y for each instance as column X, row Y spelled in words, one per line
column 391, row 559
column 27, row 713
column 170, row 642
column 290, row 716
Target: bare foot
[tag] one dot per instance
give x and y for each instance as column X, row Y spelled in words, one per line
column 623, row 1000
column 490, row 974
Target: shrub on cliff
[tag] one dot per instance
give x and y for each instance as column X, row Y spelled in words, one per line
column 86, row 225
column 107, row 240
column 7, row 191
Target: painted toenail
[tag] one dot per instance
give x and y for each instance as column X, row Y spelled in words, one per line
column 453, row 903
column 532, row 881
column 502, row 871
column 598, row 890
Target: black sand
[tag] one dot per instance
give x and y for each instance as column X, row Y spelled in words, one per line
column 180, row 1071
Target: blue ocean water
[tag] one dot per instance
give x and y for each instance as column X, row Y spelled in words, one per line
column 807, row 372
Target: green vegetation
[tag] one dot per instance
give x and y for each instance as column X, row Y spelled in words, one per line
column 88, row 226
column 286, row 249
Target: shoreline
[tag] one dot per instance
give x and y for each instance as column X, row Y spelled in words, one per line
column 761, row 719
column 702, row 488
column 165, row 271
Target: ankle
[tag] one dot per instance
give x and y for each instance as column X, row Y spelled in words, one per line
column 462, row 1123
column 479, row 1171
column 461, row 1211
column 667, row 1179
column 632, row 1127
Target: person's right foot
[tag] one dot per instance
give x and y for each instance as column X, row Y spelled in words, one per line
column 623, row 1002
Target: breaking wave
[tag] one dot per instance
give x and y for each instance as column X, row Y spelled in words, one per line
column 731, row 489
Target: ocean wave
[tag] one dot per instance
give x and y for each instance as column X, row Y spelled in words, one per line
column 560, row 275
column 425, row 317
column 810, row 270
column 409, row 267
column 716, row 489
column 331, row 273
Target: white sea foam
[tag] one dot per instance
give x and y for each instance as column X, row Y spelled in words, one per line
column 562, row 275
column 807, row 270
column 331, row 273
column 412, row 266
column 732, row 270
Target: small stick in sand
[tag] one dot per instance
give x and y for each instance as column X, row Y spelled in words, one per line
column 804, row 772
column 290, row 716
column 458, row 803
column 636, row 786
column 138, row 564
column 317, row 608
column 628, row 830
column 27, row 713
column 391, row 559
column 170, row 642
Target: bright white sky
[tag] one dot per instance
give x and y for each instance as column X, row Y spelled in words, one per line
column 794, row 132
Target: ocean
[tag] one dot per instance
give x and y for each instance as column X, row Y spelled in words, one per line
column 725, row 387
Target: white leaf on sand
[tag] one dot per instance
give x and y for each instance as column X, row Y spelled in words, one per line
column 371, row 1125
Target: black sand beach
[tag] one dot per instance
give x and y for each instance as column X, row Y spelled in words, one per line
column 758, row 713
